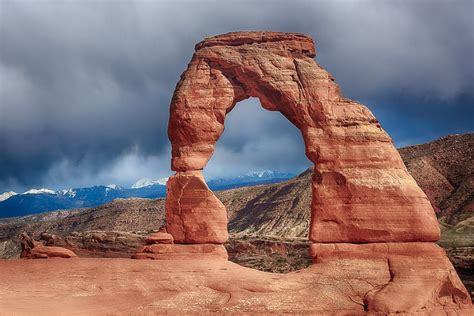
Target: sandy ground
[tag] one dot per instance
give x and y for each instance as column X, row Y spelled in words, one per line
column 83, row 286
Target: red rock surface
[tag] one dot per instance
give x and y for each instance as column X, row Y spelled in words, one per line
column 146, row 287
column 193, row 213
column 362, row 191
column 421, row 275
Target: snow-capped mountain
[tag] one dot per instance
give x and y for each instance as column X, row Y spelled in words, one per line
column 145, row 182
column 261, row 174
column 69, row 192
column 40, row 191
column 43, row 200
column 6, row 195
column 113, row 186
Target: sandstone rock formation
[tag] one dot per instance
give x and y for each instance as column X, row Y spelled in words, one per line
column 32, row 249
column 361, row 190
column 421, row 275
column 160, row 245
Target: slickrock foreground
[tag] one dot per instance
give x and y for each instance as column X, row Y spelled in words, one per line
column 148, row 287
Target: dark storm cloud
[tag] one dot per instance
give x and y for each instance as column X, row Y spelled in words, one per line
column 85, row 85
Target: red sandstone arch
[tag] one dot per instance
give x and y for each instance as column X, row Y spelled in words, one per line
column 362, row 191
column 368, row 214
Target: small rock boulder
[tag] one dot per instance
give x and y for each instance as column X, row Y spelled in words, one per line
column 40, row 251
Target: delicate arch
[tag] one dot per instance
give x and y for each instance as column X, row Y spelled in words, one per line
column 362, row 191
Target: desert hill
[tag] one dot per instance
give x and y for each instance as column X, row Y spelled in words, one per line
column 444, row 169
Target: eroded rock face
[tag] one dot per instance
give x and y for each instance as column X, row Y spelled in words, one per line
column 362, row 191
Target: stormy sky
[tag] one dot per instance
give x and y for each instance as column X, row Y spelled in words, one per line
column 85, row 86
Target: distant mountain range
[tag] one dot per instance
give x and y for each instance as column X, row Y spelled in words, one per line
column 34, row 201
column 250, row 179
column 142, row 183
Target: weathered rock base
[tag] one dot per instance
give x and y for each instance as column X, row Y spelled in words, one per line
column 414, row 276
column 148, row 287
column 382, row 277
column 181, row 251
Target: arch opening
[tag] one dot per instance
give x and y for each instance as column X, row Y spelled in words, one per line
column 255, row 139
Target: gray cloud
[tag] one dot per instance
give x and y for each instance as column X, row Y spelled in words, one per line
column 85, row 86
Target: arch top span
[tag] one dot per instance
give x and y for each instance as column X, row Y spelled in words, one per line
column 362, row 191
column 295, row 43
